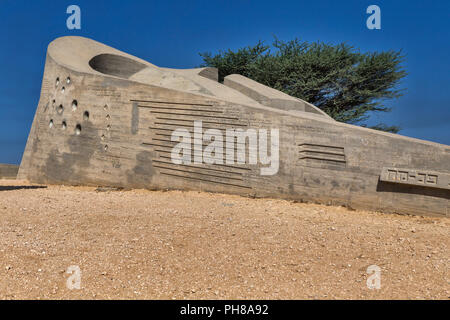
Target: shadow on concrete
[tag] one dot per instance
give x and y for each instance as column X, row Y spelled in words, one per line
column 412, row 189
column 9, row 188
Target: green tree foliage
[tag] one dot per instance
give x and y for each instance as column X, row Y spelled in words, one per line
column 345, row 83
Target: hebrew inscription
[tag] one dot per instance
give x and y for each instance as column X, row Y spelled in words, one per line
column 416, row 177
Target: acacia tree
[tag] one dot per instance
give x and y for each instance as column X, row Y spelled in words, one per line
column 345, row 83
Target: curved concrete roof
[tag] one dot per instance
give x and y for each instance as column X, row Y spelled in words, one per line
column 89, row 56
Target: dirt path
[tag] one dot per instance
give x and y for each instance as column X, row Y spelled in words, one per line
column 165, row 245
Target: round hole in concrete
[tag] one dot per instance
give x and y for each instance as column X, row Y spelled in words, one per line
column 63, row 89
column 103, row 137
column 57, row 82
column 60, row 109
column 105, row 107
column 105, row 147
column 108, row 127
column 68, row 80
column 53, row 102
column 115, row 65
column 64, row 125
column 50, row 124
column 78, row 129
column 108, row 117
column 74, row 105
column 86, row 116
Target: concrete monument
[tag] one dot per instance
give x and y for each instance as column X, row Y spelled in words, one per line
column 108, row 118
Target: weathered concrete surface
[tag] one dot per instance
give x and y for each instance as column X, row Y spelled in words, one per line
column 107, row 118
column 268, row 96
column 8, row 171
column 416, row 177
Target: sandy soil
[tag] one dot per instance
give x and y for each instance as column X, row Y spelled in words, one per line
column 188, row 245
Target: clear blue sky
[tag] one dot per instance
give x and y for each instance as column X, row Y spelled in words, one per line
column 172, row 33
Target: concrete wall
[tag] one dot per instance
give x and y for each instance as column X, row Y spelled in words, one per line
column 118, row 133
column 8, row 171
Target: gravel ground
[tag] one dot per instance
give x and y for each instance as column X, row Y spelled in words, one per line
column 189, row 245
